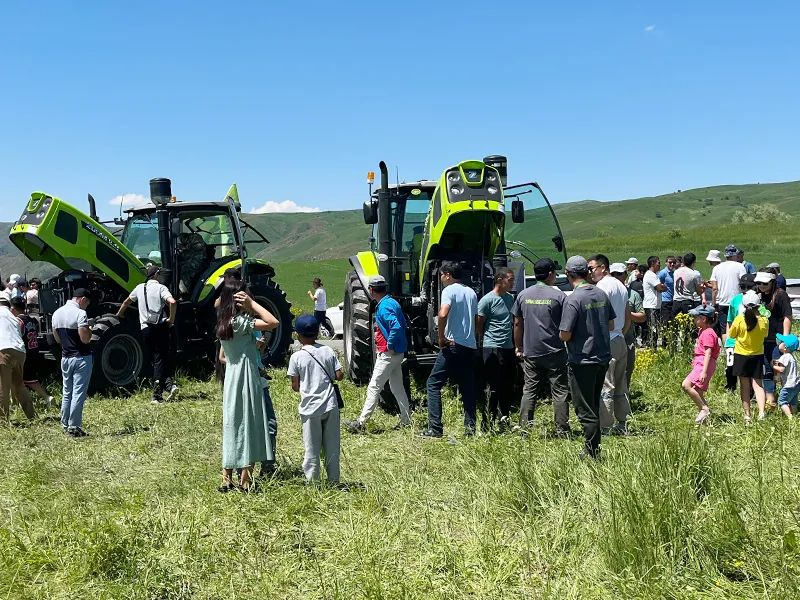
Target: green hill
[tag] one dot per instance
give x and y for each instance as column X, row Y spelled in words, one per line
column 695, row 220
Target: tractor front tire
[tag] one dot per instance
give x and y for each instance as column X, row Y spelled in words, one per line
column 269, row 295
column 120, row 358
column 357, row 331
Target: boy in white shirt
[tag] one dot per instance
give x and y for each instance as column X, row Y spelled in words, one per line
column 786, row 365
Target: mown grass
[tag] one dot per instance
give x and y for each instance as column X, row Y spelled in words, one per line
column 670, row 512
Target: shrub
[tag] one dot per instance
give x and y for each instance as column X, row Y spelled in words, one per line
column 759, row 213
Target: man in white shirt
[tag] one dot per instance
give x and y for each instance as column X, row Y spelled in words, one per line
column 652, row 299
column 12, row 362
column 725, row 282
column 320, row 298
column 151, row 297
column 614, row 397
column 631, row 266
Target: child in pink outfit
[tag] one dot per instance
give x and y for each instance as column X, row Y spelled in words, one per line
column 704, row 363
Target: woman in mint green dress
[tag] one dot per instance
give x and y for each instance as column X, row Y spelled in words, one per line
column 245, row 429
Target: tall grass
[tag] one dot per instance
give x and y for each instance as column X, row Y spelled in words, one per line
column 672, row 511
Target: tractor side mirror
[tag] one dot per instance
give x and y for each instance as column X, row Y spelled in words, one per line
column 517, row 211
column 370, row 212
column 558, row 242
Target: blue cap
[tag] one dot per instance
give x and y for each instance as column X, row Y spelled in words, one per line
column 702, row 311
column 791, row 341
column 306, row 325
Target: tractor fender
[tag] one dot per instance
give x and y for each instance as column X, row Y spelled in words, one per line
column 366, row 266
column 213, row 280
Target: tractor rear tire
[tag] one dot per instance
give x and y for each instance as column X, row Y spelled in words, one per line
column 120, row 358
column 357, row 331
column 270, row 295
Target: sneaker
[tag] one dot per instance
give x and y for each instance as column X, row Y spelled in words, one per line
column 748, row 421
column 400, row 426
column 762, row 416
column 355, row 427
column 702, row 415
column 171, row 392
column 76, row 432
column 157, row 400
column 49, row 401
column 430, row 433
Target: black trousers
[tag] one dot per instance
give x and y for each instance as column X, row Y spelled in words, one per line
column 497, row 369
column 586, row 385
column 156, row 339
column 550, row 369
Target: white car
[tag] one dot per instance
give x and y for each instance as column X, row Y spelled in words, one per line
column 793, row 289
column 334, row 327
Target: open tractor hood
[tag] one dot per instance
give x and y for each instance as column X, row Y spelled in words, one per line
column 53, row 231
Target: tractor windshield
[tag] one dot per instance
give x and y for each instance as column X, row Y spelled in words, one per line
column 141, row 237
column 540, row 235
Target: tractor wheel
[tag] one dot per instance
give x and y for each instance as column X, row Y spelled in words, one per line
column 269, row 295
column 357, row 331
column 120, row 359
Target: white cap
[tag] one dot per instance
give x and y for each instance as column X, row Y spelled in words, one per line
column 751, row 298
column 13, row 278
column 617, row 268
column 713, row 256
column 764, row 277
column 632, row 261
column 773, row 265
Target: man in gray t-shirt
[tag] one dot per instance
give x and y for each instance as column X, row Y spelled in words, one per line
column 497, row 363
column 537, row 316
column 586, row 320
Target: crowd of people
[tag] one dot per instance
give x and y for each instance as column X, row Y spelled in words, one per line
column 576, row 348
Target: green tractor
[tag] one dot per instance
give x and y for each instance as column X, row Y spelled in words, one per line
column 194, row 243
column 469, row 215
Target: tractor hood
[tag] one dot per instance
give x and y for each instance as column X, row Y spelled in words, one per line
column 53, row 231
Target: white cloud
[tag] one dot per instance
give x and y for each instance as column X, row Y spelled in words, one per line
column 286, row 206
column 129, row 200
column 650, row 28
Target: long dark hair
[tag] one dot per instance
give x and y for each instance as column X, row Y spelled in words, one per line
column 226, row 311
column 751, row 317
column 774, row 291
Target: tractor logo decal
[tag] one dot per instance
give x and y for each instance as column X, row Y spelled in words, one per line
column 92, row 229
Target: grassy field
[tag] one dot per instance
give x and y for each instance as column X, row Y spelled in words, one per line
column 295, row 279
column 670, row 512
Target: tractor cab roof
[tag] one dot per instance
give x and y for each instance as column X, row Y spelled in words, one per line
column 405, row 187
column 181, row 206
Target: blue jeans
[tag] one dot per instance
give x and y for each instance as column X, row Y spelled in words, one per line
column 788, row 395
column 76, row 371
column 456, row 364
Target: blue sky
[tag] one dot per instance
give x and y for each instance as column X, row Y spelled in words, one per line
column 297, row 101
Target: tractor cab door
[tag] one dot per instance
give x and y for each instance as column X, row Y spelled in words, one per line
column 409, row 230
column 537, row 236
column 204, row 239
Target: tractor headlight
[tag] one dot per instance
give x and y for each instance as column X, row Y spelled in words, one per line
column 490, row 178
column 456, row 190
column 492, row 190
column 453, row 177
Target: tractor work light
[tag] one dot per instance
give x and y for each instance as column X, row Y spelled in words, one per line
column 371, row 177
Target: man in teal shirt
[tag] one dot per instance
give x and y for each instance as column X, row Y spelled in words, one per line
column 495, row 333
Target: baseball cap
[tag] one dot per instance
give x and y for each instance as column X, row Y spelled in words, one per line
column 792, row 341
column 773, row 265
column 632, row 261
column 748, row 280
column 577, row 265
column 713, row 256
column 12, row 279
column 764, row 277
column 702, row 311
column 751, row 298
column 152, row 270
column 731, row 250
column 80, row 293
column 617, row 268
column 543, row 267
column 379, row 281
column 306, row 325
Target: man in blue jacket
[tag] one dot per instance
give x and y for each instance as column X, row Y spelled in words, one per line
column 390, row 345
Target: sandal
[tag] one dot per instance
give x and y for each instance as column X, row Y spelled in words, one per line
column 226, row 487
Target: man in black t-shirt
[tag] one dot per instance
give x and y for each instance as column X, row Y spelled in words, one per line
column 586, row 321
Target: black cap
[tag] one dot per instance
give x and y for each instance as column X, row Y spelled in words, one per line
column 80, row 293
column 152, row 270
column 543, row 267
column 748, row 281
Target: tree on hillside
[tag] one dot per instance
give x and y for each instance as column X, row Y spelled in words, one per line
column 759, row 213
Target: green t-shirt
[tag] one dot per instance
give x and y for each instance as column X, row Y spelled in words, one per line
column 498, row 329
column 635, row 302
